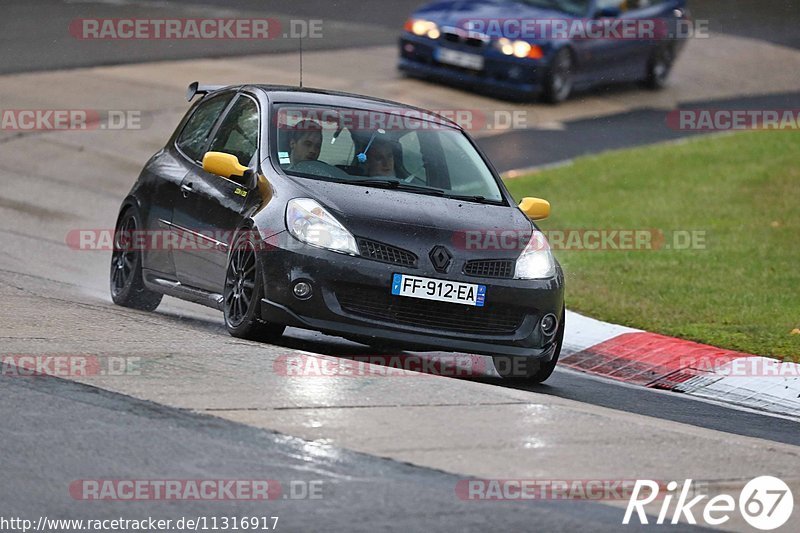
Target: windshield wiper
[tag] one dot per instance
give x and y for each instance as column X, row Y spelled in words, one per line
column 471, row 198
column 394, row 184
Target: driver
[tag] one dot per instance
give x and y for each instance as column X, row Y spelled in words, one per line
column 380, row 160
column 305, row 141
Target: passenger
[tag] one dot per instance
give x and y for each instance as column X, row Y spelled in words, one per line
column 380, row 160
column 305, row 141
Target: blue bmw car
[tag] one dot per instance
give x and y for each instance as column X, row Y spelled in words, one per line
column 523, row 48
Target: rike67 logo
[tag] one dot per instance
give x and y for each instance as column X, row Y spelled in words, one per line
column 765, row 503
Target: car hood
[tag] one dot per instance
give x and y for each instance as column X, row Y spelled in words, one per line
column 418, row 222
column 457, row 13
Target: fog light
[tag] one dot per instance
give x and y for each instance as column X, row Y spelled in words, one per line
column 302, row 290
column 549, row 324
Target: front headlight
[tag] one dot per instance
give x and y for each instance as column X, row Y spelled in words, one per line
column 423, row 27
column 536, row 261
column 309, row 222
column 520, row 49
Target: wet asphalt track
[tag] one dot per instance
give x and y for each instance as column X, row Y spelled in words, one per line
column 127, row 438
column 122, row 438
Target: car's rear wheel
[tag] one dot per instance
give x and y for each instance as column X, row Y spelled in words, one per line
column 243, row 292
column 524, row 368
column 659, row 67
column 127, row 285
column 558, row 80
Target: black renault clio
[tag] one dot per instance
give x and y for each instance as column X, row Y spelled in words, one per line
column 353, row 216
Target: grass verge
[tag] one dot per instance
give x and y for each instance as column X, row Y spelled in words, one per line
column 739, row 288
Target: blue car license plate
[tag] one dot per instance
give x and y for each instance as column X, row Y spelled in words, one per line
column 459, row 59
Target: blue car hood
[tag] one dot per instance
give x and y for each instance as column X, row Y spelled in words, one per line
column 456, row 13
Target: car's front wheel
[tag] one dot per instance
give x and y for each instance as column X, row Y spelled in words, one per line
column 243, row 292
column 126, row 282
column 510, row 367
column 558, row 80
column 659, row 67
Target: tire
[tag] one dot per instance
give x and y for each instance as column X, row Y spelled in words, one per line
column 524, row 368
column 125, row 277
column 243, row 293
column 659, row 67
column 558, row 80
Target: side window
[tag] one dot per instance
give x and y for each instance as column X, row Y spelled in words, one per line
column 195, row 134
column 238, row 133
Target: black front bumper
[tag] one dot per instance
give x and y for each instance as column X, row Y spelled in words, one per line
column 352, row 298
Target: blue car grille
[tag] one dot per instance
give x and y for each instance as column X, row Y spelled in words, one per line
column 474, row 42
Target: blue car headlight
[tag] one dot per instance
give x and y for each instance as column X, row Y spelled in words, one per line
column 520, row 49
column 423, row 27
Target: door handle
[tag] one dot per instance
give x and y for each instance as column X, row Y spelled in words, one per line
column 186, row 189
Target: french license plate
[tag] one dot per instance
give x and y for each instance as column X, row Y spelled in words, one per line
column 459, row 59
column 439, row 290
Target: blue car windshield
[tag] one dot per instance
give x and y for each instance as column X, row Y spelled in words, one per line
column 397, row 148
column 573, row 7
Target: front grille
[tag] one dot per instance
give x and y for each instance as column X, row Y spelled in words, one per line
column 452, row 37
column 386, row 307
column 385, row 254
column 493, row 268
column 472, row 40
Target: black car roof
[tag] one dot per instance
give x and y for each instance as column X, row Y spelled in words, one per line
column 310, row 95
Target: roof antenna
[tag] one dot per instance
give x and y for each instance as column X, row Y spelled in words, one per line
column 301, row 60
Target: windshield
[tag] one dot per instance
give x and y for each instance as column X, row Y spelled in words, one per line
column 573, row 7
column 400, row 149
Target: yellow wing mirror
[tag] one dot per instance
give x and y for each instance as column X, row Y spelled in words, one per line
column 222, row 164
column 535, row 208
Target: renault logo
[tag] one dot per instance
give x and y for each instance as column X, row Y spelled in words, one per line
column 440, row 258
